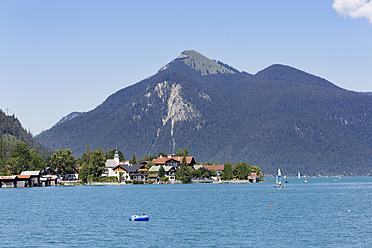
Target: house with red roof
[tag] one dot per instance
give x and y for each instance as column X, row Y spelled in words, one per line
column 219, row 168
column 253, row 178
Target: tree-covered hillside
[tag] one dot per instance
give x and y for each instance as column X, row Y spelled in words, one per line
column 12, row 132
column 280, row 117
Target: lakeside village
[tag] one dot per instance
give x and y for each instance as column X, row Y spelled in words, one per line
column 163, row 169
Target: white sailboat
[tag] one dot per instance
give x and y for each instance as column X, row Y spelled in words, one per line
column 299, row 175
column 279, row 179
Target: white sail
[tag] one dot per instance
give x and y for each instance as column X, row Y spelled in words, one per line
column 279, row 180
column 299, row 175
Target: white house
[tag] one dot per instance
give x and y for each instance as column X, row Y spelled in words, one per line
column 110, row 165
column 170, row 171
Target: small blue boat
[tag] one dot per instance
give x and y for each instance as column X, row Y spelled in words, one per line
column 143, row 217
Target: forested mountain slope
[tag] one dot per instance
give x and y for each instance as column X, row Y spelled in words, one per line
column 12, row 132
column 279, row 117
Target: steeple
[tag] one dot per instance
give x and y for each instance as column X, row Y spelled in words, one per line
column 116, row 157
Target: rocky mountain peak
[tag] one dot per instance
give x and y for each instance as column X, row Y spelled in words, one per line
column 200, row 63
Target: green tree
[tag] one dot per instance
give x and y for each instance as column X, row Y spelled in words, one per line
column 243, row 171
column 197, row 173
column 1, row 150
column 134, row 160
column 63, row 159
column 227, row 172
column 179, row 153
column 87, row 156
column 162, row 154
column 37, row 162
column 184, row 172
column 4, row 170
column 204, row 172
column 93, row 164
column 147, row 158
column 207, row 174
column 161, row 171
column 20, row 158
column 149, row 165
column 98, row 157
column 186, row 152
column 213, row 172
column 86, row 172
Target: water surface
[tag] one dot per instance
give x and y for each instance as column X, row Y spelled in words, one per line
column 320, row 213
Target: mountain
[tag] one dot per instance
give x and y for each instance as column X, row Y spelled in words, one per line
column 12, row 132
column 279, row 117
column 68, row 117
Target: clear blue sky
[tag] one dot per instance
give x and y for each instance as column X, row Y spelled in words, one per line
column 62, row 56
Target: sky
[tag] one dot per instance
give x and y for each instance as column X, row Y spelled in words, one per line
column 57, row 57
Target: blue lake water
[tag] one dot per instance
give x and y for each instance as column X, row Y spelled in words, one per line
column 313, row 214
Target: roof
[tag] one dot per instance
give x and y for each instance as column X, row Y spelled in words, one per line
column 8, row 177
column 24, row 176
column 163, row 160
column 119, row 166
column 58, row 169
column 133, row 168
column 111, row 163
column 157, row 167
column 31, row 173
column 153, row 175
column 218, row 167
column 48, row 170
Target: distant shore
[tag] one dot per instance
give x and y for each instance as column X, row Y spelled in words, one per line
column 78, row 182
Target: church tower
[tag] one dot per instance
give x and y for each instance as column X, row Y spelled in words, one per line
column 116, row 157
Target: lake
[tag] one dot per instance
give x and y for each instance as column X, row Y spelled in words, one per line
column 320, row 213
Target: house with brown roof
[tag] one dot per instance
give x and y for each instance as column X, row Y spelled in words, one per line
column 131, row 172
column 172, row 160
column 120, row 172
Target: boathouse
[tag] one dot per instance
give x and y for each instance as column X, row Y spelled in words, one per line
column 35, row 177
column 23, row 181
column 8, row 181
